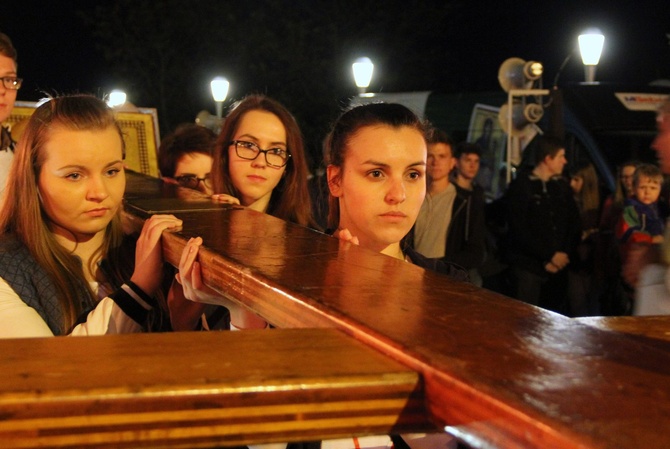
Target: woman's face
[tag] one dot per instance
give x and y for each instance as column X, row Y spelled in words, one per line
column 255, row 180
column 81, row 182
column 381, row 185
column 440, row 161
column 577, row 183
column 627, row 173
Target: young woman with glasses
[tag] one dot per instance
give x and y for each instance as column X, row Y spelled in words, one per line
column 185, row 157
column 260, row 163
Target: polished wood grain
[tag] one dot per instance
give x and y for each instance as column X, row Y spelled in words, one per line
column 651, row 327
column 200, row 389
column 146, row 195
column 497, row 371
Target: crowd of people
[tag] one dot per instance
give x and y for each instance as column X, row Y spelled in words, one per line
column 396, row 185
column 551, row 239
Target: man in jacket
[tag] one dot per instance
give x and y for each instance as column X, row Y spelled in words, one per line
column 544, row 228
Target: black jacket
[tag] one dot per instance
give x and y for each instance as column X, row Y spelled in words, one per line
column 466, row 234
column 543, row 218
column 466, row 237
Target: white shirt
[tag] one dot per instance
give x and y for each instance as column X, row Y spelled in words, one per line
column 414, row 440
column 652, row 294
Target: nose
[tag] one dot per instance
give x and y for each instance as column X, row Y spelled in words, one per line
column 259, row 161
column 396, row 193
column 97, row 189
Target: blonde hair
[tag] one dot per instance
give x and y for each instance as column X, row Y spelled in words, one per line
column 647, row 171
column 22, row 214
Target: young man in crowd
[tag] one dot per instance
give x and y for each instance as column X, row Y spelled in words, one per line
column 544, row 228
column 450, row 225
column 467, row 245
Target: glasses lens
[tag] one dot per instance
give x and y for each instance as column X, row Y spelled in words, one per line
column 276, row 157
column 11, row 82
column 207, row 181
column 246, row 150
column 188, row 181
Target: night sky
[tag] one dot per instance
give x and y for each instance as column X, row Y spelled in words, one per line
column 58, row 54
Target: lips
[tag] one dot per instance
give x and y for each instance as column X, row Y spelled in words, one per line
column 394, row 215
column 97, row 212
column 256, row 178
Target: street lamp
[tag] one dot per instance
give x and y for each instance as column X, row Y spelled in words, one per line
column 116, row 98
column 363, row 68
column 591, row 47
column 219, row 87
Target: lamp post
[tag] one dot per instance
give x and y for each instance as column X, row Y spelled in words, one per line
column 591, row 47
column 362, row 68
column 518, row 116
column 219, row 87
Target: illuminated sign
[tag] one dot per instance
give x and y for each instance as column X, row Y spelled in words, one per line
column 636, row 101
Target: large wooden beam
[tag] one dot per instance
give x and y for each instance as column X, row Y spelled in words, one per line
column 497, row 371
column 200, row 389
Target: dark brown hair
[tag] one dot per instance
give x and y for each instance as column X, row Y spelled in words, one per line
column 6, row 47
column 187, row 138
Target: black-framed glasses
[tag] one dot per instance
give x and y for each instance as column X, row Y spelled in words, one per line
column 192, row 181
column 275, row 157
column 11, row 82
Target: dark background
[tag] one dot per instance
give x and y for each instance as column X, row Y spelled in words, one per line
column 163, row 53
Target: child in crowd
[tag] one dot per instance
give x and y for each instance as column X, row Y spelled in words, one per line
column 640, row 220
column 639, row 227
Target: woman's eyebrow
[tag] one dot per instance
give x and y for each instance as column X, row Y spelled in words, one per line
column 420, row 163
column 373, row 162
column 255, row 139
